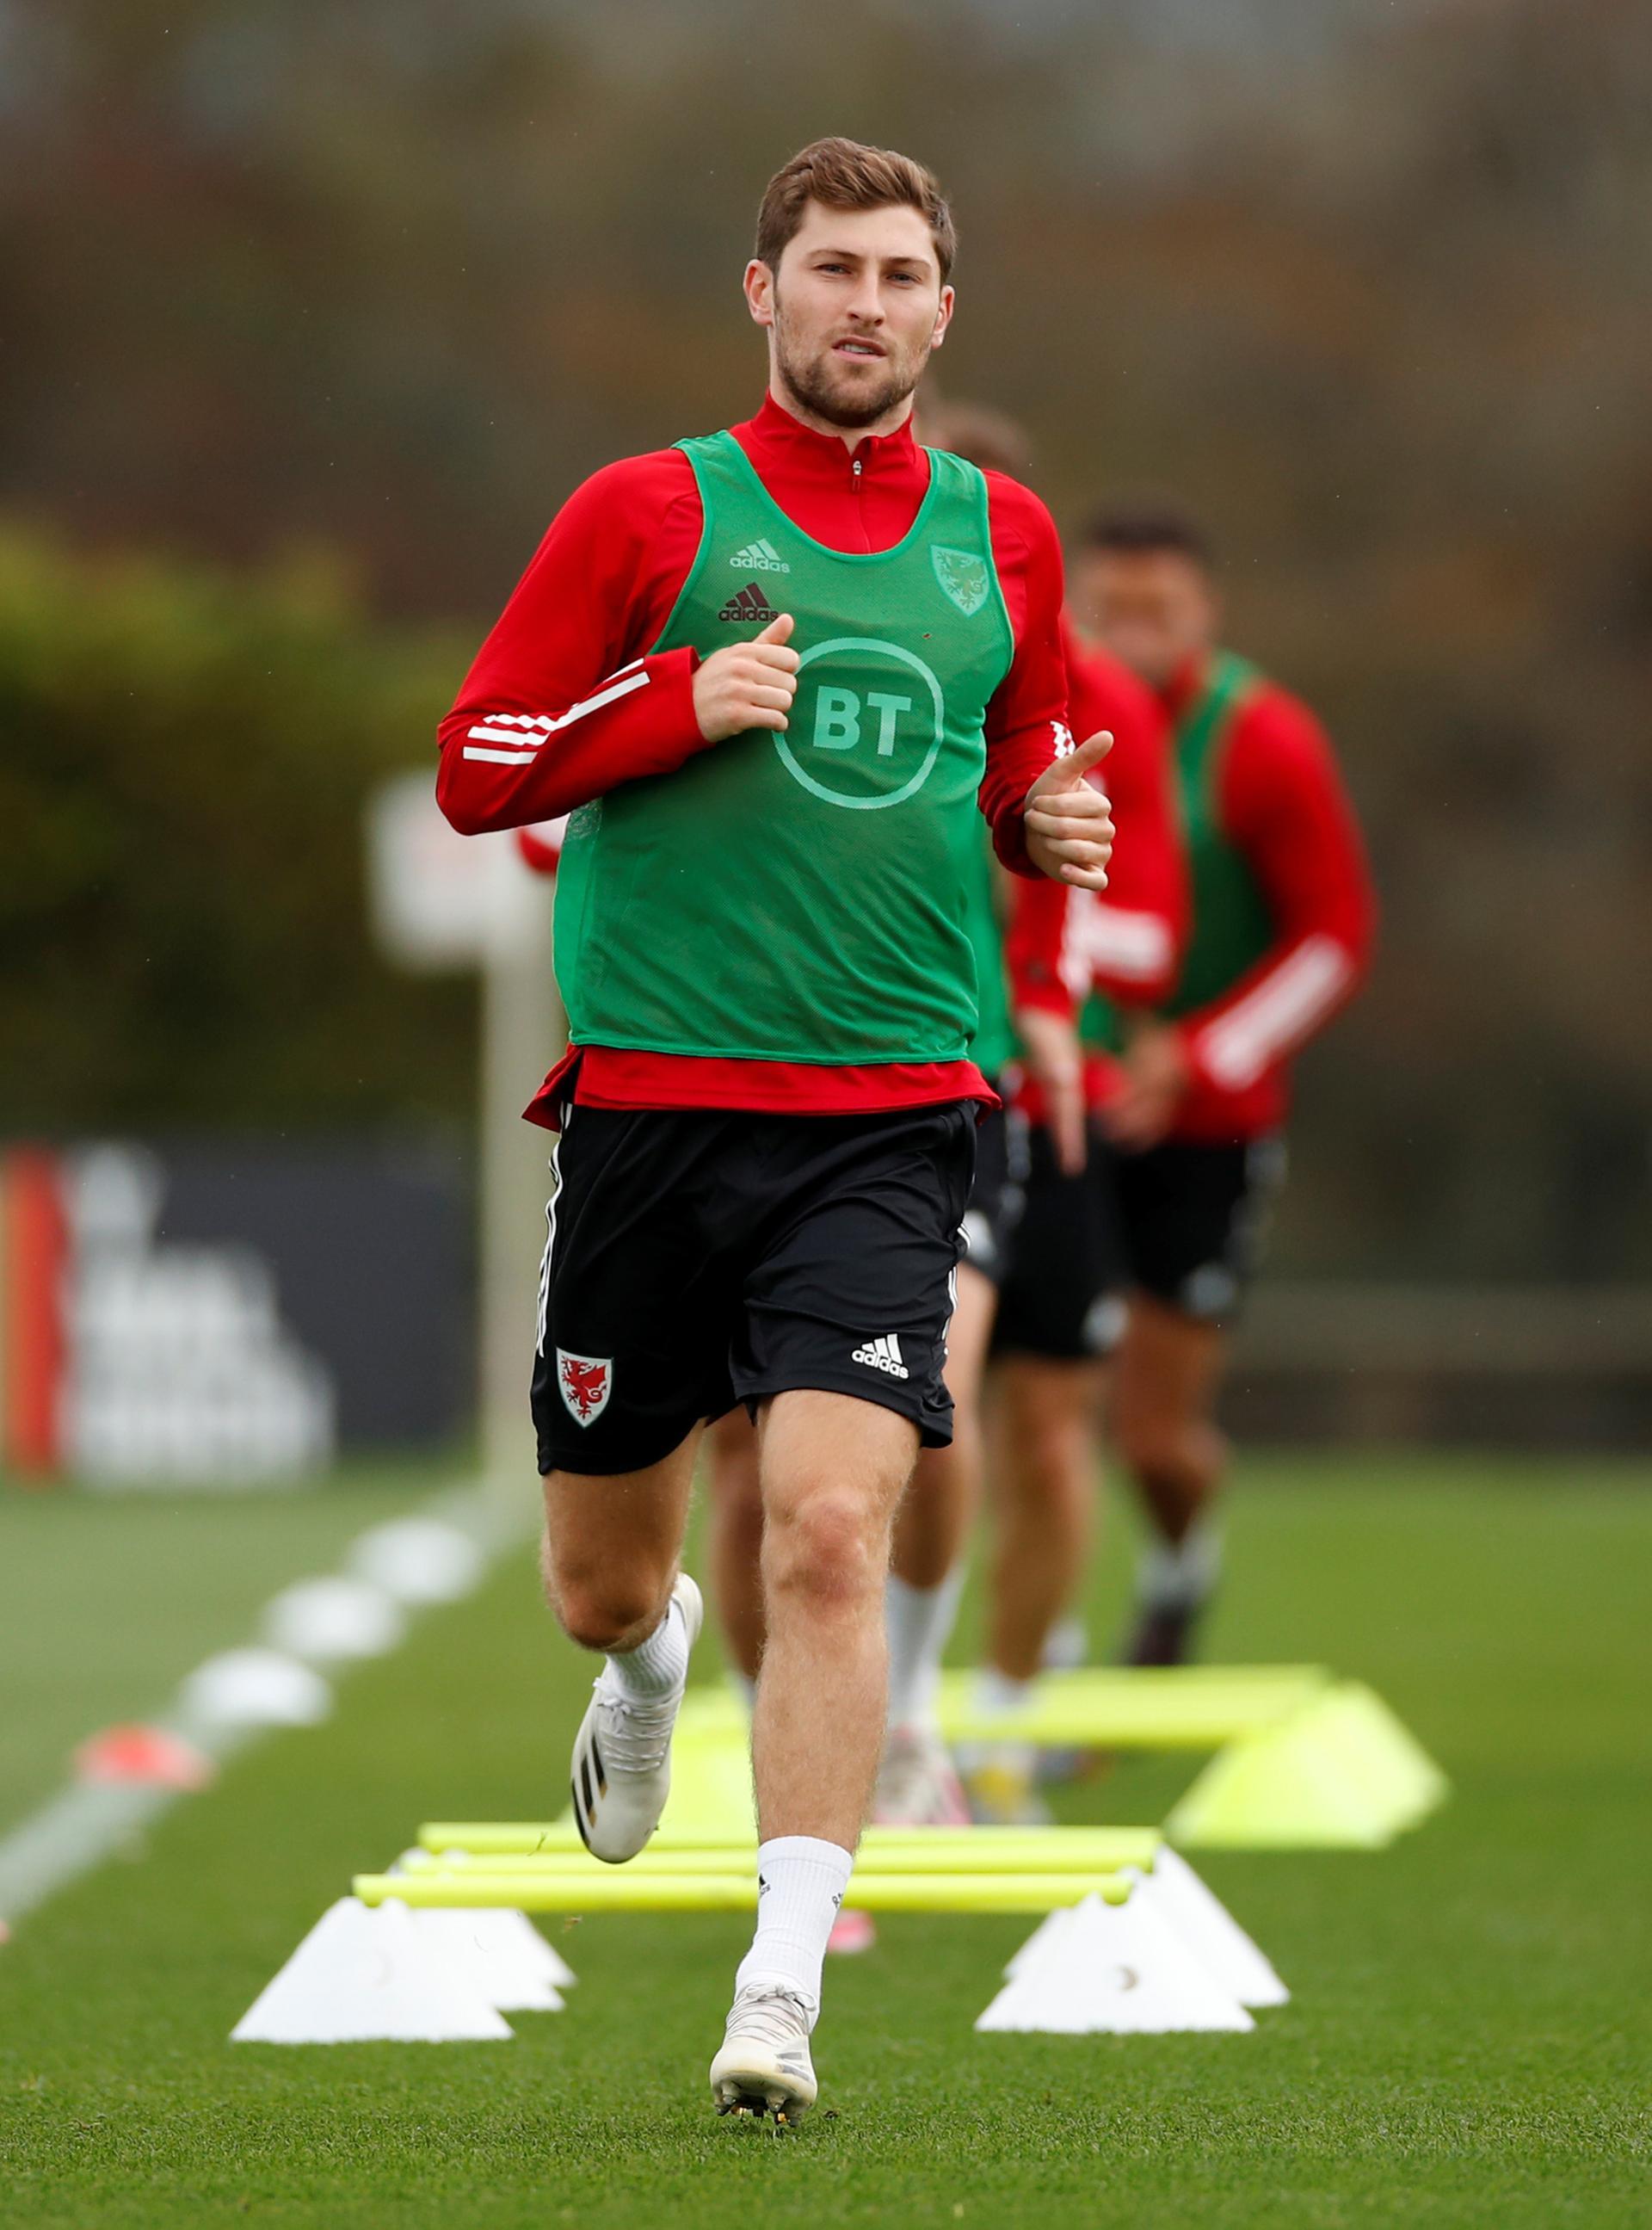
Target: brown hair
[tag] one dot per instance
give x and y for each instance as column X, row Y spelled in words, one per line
column 1148, row 527
column 987, row 437
column 843, row 174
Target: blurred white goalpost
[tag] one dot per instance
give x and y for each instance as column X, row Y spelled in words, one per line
column 439, row 901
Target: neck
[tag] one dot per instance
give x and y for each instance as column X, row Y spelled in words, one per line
column 851, row 436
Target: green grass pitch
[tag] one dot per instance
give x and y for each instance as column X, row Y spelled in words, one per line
column 1468, row 2044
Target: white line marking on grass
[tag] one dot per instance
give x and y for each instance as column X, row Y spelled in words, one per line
column 438, row 1554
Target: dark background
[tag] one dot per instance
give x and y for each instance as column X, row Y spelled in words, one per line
column 313, row 313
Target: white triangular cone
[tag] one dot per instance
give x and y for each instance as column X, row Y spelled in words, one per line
column 504, row 1954
column 1041, row 1936
column 1117, row 1968
column 1210, row 1931
column 363, row 1974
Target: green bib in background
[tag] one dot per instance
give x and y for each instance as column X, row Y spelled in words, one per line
column 1232, row 926
column 806, row 896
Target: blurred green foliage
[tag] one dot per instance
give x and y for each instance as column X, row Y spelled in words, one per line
column 181, row 939
column 1362, row 280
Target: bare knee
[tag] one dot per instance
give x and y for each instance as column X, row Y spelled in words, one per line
column 601, row 1608
column 828, row 1551
column 1163, row 1444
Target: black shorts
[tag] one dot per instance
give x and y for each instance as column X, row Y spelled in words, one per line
column 696, row 1258
column 1194, row 1218
column 995, row 1198
column 1061, row 1296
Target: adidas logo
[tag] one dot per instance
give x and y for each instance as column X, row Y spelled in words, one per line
column 883, row 1354
column 749, row 604
column 759, row 557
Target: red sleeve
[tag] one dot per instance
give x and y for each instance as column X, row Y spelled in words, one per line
column 1026, row 721
column 1282, row 802
column 1130, row 937
column 541, row 844
column 1127, row 941
column 561, row 704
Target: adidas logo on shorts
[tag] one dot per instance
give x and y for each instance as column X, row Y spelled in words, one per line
column 883, row 1353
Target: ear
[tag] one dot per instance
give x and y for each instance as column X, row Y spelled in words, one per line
column 759, row 284
column 942, row 317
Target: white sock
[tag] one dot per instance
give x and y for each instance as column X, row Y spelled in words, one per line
column 1068, row 1647
column 656, row 1667
column 919, row 1622
column 996, row 1695
column 1178, row 1575
column 801, row 1884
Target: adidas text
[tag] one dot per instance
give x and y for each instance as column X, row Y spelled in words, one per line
column 883, row 1354
column 759, row 557
column 749, row 604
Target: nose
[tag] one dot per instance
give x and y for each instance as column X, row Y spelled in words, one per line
column 866, row 304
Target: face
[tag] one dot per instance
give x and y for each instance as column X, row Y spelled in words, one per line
column 853, row 312
column 1153, row 608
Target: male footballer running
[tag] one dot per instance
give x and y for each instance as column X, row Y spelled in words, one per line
column 773, row 672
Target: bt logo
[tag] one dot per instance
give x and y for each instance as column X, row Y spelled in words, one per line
column 871, row 741
column 838, row 714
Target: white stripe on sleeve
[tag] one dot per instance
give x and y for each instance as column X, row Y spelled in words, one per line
column 1116, row 942
column 527, row 730
column 1277, row 1013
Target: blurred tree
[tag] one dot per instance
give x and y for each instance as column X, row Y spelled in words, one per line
column 1365, row 282
column 182, row 933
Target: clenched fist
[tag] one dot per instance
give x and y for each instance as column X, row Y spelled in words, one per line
column 1069, row 823
column 750, row 685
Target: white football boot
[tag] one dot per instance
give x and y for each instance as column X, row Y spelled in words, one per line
column 622, row 1753
column 917, row 1783
column 1001, row 1778
column 764, row 2067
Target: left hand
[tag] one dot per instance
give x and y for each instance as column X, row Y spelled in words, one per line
column 1156, row 1074
column 1069, row 821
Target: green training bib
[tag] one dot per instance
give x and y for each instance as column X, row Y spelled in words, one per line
column 1231, row 927
column 806, row 896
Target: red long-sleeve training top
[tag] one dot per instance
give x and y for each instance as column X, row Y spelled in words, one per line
column 1280, row 800
column 565, row 702
column 1127, row 940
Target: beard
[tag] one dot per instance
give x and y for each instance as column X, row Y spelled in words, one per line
column 822, row 389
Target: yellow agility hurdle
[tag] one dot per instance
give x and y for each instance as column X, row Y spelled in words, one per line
column 525, row 1847
column 630, row 1888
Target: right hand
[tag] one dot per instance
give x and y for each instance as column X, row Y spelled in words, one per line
column 750, row 685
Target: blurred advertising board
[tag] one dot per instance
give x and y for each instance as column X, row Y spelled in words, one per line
column 226, row 1314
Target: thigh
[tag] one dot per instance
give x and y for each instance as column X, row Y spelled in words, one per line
column 970, row 1334
column 813, row 1444
column 850, row 1289
column 620, row 1523
column 637, row 1290
column 1060, row 1297
column 1167, row 1370
column 1195, row 1217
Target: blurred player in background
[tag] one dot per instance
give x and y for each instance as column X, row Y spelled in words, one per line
column 917, row 1783
column 1282, row 916
column 1104, row 956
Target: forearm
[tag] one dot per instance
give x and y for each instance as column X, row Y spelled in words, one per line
column 504, row 764
column 1272, row 1011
